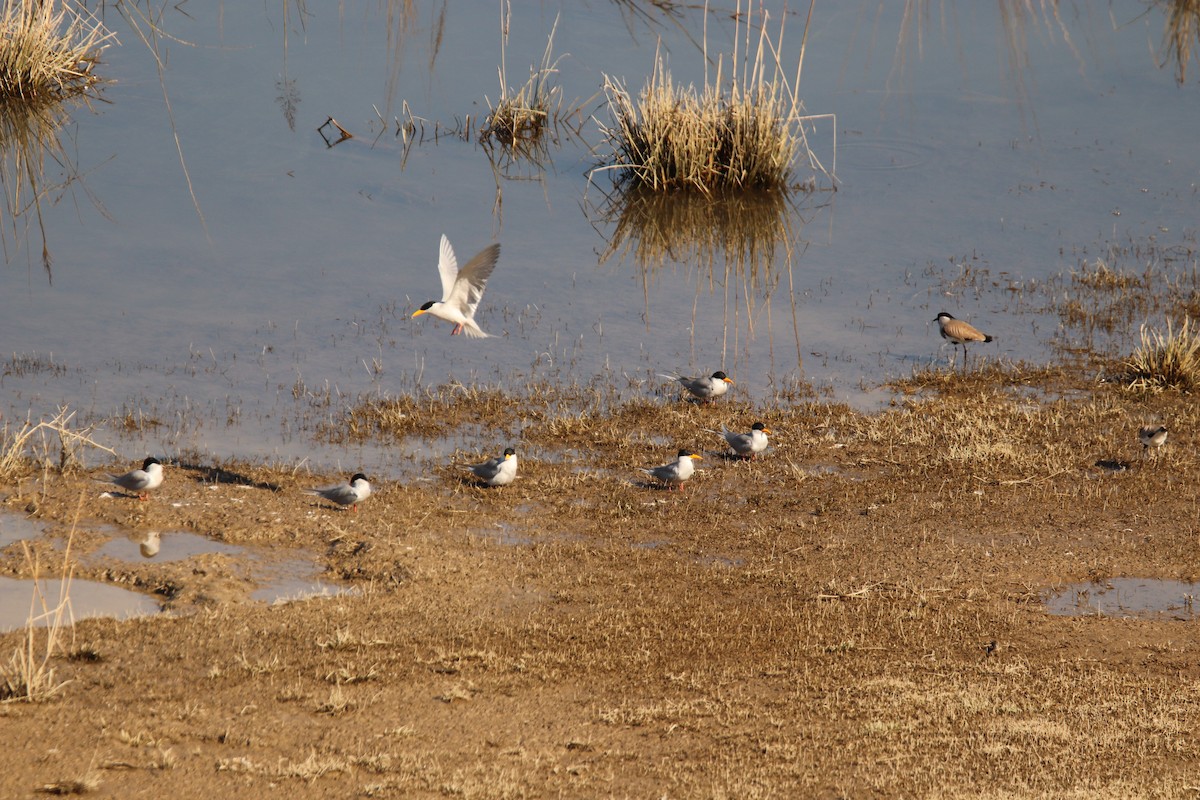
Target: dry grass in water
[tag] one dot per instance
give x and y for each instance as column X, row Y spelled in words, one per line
column 48, row 49
column 740, row 133
column 518, row 119
column 28, row 676
column 1101, row 303
column 1166, row 360
column 1181, row 29
column 33, row 446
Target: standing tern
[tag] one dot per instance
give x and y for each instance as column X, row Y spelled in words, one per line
column 346, row 494
column 674, row 474
column 704, row 389
column 462, row 289
column 746, row 445
column 498, row 471
column 141, row 481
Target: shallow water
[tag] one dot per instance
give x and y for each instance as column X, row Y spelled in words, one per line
column 278, row 579
column 1145, row 598
column 19, row 602
column 17, row 527
column 960, row 179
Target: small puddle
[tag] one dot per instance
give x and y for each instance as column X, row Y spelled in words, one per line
column 162, row 547
column 15, row 527
column 278, row 579
column 293, row 579
column 87, row 599
column 1143, row 598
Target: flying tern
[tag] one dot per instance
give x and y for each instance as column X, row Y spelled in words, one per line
column 462, row 289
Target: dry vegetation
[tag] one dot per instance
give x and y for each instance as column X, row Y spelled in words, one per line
column 1167, row 359
column 47, row 49
column 519, row 117
column 743, row 130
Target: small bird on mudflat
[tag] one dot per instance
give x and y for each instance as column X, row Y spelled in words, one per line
column 746, row 445
column 346, row 494
column 1151, row 436
column 704, row 389
column 498, row 471
column 140, row 481
column 958, row 332
column 462, row 289
column 674, row 474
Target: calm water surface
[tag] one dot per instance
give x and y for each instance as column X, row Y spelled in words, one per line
column 960, row 178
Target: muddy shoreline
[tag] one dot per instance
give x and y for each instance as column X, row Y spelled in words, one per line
column 859, row 613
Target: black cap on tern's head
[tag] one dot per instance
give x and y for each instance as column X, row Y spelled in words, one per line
column 758, row 426
column 428, row 305
column 721, row 376
column 508, row 451
column 358, row 475
column 151, row 460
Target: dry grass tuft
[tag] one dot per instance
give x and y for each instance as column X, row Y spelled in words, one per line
column 732, row 135
column 48, row 49
column 32, row 447
column 1166, row 360
column 518, row 119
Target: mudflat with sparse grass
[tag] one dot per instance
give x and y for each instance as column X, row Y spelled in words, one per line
column 859, row 613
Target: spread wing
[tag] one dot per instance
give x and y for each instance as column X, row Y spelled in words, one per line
column 471, row 279
column 447, row 268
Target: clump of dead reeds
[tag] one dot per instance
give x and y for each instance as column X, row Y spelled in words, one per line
column 48, row 49
column 744, row 132
column 1166, row 359
column 520, row 117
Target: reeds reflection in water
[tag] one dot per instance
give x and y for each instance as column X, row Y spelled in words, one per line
column 743, row 244
column 1182, row 28
column 30, row 140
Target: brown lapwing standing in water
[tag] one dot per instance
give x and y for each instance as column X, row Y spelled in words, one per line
column 958, row 332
